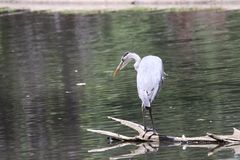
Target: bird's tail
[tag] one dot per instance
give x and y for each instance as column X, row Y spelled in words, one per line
column 145, row 100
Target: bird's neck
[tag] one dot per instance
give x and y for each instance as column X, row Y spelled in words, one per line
column 137, row 60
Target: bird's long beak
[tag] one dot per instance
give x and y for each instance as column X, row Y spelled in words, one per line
column 119, row 67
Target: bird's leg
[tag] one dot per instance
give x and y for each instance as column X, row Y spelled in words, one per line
column 143, row 115
column 150, row 112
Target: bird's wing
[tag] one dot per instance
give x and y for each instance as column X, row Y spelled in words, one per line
column 149, row 78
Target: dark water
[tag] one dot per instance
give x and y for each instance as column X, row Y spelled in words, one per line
column 45, row 59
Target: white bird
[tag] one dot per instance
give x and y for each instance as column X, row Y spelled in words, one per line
column 150, row 77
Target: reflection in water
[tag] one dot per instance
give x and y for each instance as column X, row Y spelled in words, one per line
column 142, row 148
column 149, row 147
column 44, row 113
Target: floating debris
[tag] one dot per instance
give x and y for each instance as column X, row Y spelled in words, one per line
column 75, row 70
column 81, row 84
column 184, row 147
column 200, row 119
column 67, row 92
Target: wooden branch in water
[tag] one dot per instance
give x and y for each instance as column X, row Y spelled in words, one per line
column 113, row 135
column 151, row 142
column 151, row 136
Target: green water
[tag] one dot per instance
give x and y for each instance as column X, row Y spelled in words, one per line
column 45, row 58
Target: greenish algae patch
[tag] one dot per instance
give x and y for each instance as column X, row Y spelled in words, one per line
column 7, row 10
column 89, row 12
column 134, row 9
column 185, row 9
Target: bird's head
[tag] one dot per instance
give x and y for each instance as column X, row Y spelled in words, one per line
column 125, row 59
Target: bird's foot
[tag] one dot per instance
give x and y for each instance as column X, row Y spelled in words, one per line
column 146, row 129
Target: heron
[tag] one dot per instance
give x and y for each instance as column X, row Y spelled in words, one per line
column 150, row 77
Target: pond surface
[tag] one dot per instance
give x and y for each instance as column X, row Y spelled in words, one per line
column 56, row 81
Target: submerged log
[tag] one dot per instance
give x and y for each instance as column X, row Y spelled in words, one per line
column 151, row 136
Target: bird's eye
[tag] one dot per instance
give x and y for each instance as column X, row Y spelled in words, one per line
column 125, row 54
column 122, row 60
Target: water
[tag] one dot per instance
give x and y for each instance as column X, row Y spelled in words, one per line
column 45, row 59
